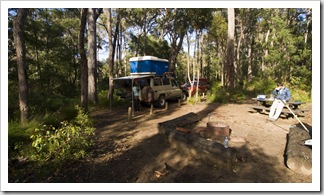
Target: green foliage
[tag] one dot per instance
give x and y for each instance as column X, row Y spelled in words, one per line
column 116, row 101
column 299, row 94
column 18, row 137
column 218, row 94
column 302, row 77
column 192, row 100
column 13, row 105
column 240, row 95
column 150, row 46
column 69, row 141
column 266, row 86
column 260, row 86
column 276, row 38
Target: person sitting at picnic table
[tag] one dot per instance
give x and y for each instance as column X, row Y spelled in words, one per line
column 283, row 96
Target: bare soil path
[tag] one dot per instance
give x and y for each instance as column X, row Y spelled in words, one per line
column 130, row 151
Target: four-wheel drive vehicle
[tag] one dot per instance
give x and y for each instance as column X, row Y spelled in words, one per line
column 153, row 89
column 204, row 86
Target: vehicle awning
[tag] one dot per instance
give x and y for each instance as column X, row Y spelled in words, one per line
column 132, row 77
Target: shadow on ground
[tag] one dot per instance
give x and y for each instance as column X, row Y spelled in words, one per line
column 114, row 159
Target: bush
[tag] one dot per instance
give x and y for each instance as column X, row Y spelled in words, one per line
column 192, row 100
column 261, row 86
column 69, row 141
column 218, row 94
column 18, row 137
column 298, row 94
column 117, row 100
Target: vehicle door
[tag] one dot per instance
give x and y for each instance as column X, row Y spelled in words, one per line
column 167, row 88
column 156, row 84
column 175, row 88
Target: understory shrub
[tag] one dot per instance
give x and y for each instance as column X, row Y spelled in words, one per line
column 69, row 141
column 104, row 102
column 218, row 94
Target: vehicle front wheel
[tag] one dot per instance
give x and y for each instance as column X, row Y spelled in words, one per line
column 161, row 101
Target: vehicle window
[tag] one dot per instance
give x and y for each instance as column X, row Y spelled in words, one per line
column 174, row 83
column 157, row 82
column 166, row 81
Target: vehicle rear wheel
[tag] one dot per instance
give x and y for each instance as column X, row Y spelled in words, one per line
column 161, row 101
column 184, row 96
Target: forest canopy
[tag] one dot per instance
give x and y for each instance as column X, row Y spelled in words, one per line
column 76, row 52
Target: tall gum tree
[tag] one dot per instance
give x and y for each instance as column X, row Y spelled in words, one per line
column 111, row 54
column 92, row 56
column 84, row 64
column 229, row 79
column 18, row 34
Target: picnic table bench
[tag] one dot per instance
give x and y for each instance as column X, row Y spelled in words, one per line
column 264, row 104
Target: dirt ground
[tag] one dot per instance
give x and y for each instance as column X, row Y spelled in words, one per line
column 132, row 151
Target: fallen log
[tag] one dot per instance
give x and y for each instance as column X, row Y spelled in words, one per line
column 185, row 120
column 298, row 156
column 193, row 143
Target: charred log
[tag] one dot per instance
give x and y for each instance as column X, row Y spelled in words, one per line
column 191, row 142
column 298, row 156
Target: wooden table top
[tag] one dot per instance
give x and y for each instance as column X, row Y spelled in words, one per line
column 271, row 100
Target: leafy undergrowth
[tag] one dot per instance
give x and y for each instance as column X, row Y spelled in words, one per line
column 47, row 147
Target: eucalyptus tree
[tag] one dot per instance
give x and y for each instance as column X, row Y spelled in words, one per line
column 176, row 31
column 247, row 34
column 277, row 48
column 19, row 40
column 282, row 46
column 200, row 20
column 83, row 58
column 111, row 53
column 229, row 79
column 217, row 41
column 299, row 22
column 141, row 21
column 52, row 57
column 93, row 15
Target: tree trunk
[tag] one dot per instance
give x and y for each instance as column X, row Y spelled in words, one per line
column 92, row 70
column 309, row 20
column 238, row 64
column 84, row 65
column 199, row 62
column 124, row 51
column 18, row 33
column 115, row 36
column 120, row 46
column 144, row 32
column 188, row 64
column 201, row 57
column 229, row 79
column 119, row 51
column 111, row 56
column 175, row 48
column 250, row 60
column 266, row 51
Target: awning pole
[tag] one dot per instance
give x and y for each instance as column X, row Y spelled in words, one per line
column 132, row 97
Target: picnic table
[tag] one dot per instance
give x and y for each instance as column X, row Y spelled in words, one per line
column 264, row 104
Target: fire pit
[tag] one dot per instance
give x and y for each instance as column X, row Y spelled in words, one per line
column 217, row 129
